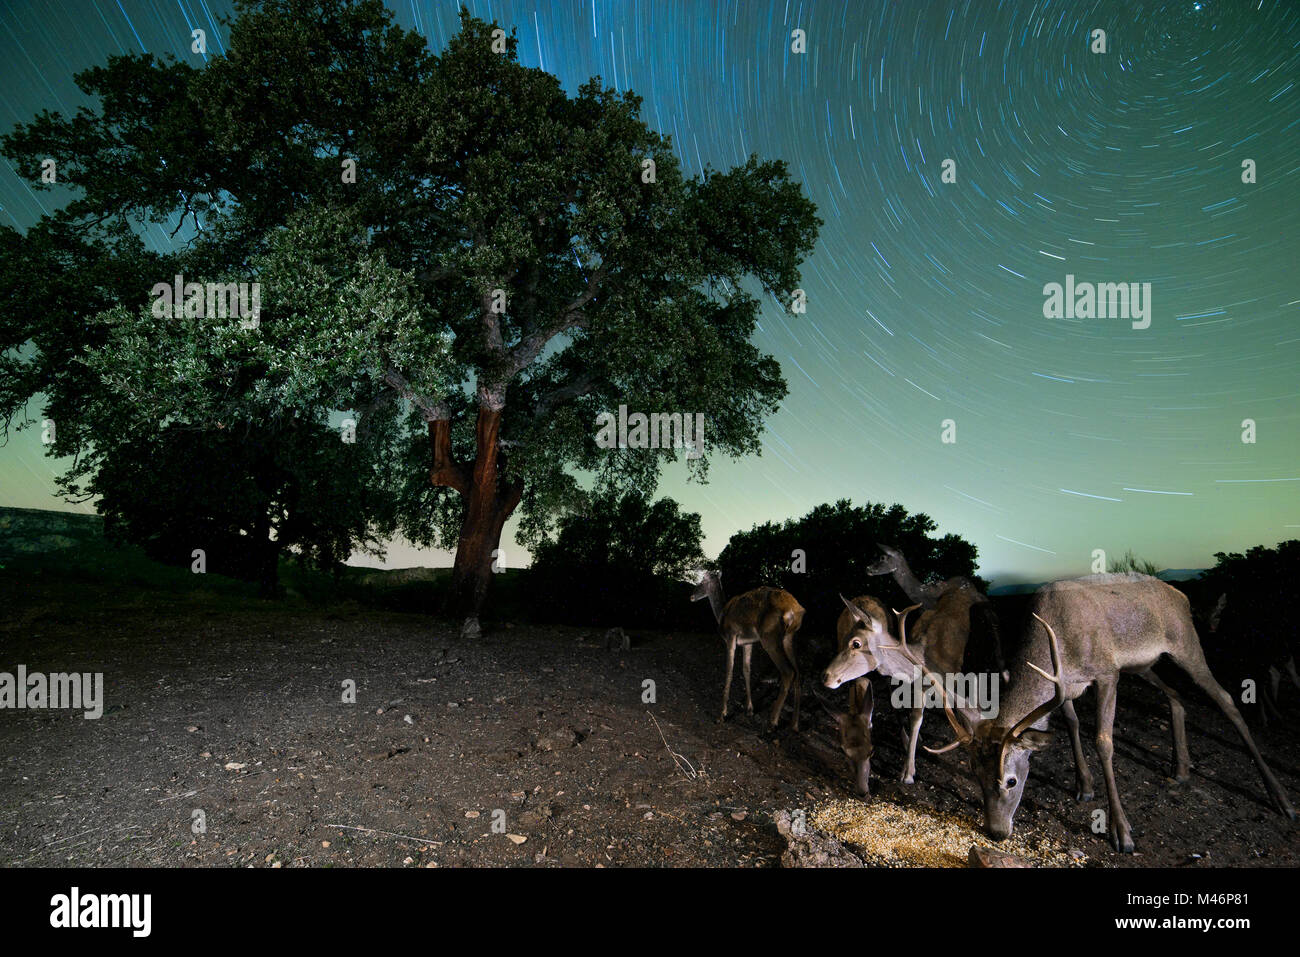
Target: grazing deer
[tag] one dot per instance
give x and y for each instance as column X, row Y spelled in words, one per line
column 1112, row 624
column 941, row 637
column 927, row 595
column 1261, row 644
column 766, row 616
column 855, row 726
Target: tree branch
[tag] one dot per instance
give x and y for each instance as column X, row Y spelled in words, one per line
column 570, row 317
column 491, row 326
column 431, row 410
column 446, row 471
column 579, row 386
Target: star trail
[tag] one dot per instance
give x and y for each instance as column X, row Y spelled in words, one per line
column 963, row 156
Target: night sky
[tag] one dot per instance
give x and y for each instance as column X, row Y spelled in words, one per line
column 926, row 298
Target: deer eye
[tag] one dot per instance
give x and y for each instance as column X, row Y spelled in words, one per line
column 856, row 643
column 1011, row 782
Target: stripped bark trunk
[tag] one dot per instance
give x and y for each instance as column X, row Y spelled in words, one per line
column 488, row 499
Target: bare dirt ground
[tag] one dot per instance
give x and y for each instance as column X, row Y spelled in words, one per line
column 236, row 710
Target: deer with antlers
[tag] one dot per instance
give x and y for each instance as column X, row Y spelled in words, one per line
column 1112, row 624
column 766, row 616
column 940, row 638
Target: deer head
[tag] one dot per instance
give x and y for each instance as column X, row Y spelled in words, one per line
column 999, row 756
column 704, row 580
column 1217, row 614
column 859, row 656
column 890, row 561
column 871, row 649
column 855, row 742
column 708, row 584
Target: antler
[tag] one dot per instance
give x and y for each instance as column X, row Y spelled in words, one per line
column 902, row 631
column 1058, row 698
column 962, row 734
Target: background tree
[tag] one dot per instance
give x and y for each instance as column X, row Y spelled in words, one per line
column 620, row 560
column 1256, row 628
column 509, row 261
column 246, row 500
column 825, row 553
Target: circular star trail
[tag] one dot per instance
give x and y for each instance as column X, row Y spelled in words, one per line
column 925, row 314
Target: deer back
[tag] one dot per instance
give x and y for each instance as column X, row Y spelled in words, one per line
column 943, row 632
column 767, row 610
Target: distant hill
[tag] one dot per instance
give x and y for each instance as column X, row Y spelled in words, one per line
column 1180, row 574
column 37, row 530
column 1168, row 575
column 71, row 545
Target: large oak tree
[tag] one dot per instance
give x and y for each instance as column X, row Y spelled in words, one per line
column 508, row 261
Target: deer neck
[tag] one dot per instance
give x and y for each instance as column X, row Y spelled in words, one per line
column 716, row 602
column 912, row 587
column 1027, row 689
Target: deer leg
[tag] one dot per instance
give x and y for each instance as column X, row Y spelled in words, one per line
column 1268, row 694
column 1121, row 835
column 773, row 649
column 1192, row 661
column 1290, row 670
column 912, row 735
column 726, row 685
column 1082, row 774
column 1177, row 713
column 746, row 656
column 787, row 645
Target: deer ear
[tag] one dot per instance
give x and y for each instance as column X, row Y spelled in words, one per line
column 1034, row 740
column 862, row 616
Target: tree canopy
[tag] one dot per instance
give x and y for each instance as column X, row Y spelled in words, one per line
column 451, row 248
column 825, row 554
column 621, row 560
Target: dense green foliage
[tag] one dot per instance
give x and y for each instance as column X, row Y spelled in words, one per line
column 621, row 561
column 835, row 543
column 507, row 262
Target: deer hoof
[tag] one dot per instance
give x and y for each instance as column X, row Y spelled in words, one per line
column 908, row 779
column 1081, row 795
column 1123, row 843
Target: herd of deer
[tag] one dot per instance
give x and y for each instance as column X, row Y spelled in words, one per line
column 1081, row 633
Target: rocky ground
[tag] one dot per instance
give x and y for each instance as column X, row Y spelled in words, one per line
column 227, row 739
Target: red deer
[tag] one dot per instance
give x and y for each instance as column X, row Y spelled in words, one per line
column 855, row 726
column 1108, row 625
column 766, row 616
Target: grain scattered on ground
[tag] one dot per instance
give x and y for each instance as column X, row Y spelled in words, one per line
column 891, row 835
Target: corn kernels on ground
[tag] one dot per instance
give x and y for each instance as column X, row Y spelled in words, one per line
column 890, row 835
